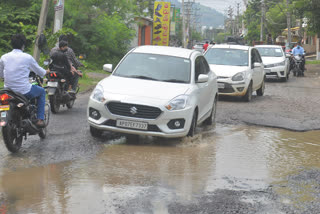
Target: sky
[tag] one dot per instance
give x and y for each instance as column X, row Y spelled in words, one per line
column 220, row 5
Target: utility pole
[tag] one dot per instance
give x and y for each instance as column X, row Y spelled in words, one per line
column 288, row 22
column 41, row 25
column 183, row 27
column 238, row 19
column 263, row 9
column 58, row 15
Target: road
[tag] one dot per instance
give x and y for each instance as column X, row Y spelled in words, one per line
column 241, row 165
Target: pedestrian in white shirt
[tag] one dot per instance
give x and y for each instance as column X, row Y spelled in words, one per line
column 15, row 68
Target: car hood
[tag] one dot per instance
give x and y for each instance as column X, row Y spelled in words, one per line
column 143, row 88
column 227, row 70
column 272, row 60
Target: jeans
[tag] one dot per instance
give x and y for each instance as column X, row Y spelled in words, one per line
column 75, row 80
column 39, row 93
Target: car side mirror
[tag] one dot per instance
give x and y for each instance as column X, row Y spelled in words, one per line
column 107, row 68
column 257, row 65
column 203, row 78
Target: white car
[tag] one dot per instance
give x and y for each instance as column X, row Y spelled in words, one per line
column 276, row 64
column 239, row 69
column 155, row 91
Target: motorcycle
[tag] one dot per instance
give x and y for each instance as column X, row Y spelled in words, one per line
column 297, row 65
column 18, row 116
column 57, row 88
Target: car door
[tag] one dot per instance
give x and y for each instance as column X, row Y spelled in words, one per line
column 210, row 88
column 202, row 88
column 257, row 72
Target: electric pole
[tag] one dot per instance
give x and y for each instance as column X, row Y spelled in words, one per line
column 41, row 26
column 183, row 27
column 58, row 15
column 263, row 9
column 288, row 22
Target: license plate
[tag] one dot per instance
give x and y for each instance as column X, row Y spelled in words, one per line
column 267, row 70
column 5, row 108
column 220, row 85
column 52, row 84
column 132, row 124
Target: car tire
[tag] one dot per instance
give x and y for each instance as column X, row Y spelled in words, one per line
column 248, row 96
column 95, row 132
column 260, row 91
column 193, row 126
column 211, row 120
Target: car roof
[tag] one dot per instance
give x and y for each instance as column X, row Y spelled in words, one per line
column 240, row 47
column 268, row 46
column 164, row 50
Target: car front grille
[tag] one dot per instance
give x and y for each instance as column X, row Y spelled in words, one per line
column 133, row 110
column 227, row 88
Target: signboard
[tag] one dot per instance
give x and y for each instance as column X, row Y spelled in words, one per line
column 161, row 23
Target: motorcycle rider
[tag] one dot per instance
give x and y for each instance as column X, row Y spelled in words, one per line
column 74, row 62
column 298, row 50
column 15, row 68
column 61, row 63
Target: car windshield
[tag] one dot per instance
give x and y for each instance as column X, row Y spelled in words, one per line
column 227, row 56
column 270, row 52
column 155, row 67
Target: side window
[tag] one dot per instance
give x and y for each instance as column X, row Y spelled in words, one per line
column 253, row 58
column 258, row 57
column 197, row 69
column 206, row 67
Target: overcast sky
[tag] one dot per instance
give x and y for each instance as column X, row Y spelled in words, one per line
column 221, row 5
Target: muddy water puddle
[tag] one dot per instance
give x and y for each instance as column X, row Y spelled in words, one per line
column 148, row 174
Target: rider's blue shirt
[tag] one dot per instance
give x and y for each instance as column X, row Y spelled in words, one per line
column 298, row 51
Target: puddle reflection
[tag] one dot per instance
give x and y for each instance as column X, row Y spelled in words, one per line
column 149, row 173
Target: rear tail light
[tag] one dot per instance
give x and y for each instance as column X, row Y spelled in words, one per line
column 4, row 98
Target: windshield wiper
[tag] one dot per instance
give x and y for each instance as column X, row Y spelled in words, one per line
column 142, row 77
column 174, row 80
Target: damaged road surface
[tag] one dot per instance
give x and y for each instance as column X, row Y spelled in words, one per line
column 230, row 168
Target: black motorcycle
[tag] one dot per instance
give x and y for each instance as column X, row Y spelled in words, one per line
column 297, row 65
column 57, row 88
column 18, row 117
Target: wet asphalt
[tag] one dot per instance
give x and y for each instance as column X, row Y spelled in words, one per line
column 237, row 166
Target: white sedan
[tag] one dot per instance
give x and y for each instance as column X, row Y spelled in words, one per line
column 239, row 69
column 276, row 64
column 155, row 91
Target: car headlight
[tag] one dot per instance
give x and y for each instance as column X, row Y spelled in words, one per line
column 97, row 94
column 275, row 65
column 178, row 103
column 281, row 64
column 238, row 77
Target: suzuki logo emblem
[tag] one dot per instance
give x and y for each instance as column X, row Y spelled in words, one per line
column 133, row 110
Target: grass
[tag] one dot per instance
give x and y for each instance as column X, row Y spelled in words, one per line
column 313, row 62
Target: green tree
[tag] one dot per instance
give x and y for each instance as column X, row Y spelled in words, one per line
column 18, row 16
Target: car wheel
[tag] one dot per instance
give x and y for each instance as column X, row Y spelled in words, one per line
column 212, row 118
column 260, row 91
column 247, row 97
column 95, row 132
column 193, row 126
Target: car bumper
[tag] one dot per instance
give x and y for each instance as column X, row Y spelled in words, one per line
column 156, row 127
column 232, row 88
column 277, row 72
